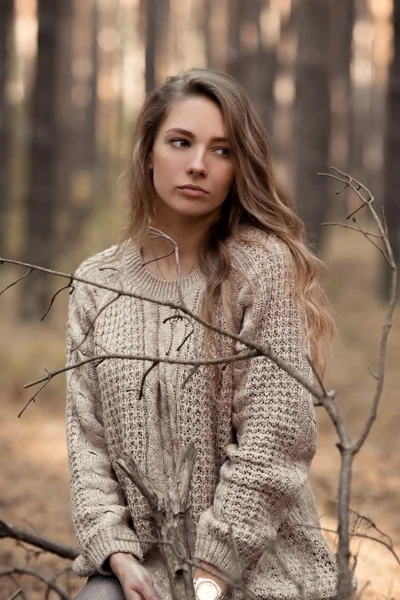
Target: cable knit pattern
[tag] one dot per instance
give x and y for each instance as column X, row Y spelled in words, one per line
column 252, row 509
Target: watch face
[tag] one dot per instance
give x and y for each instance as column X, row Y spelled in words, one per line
column 207, row 590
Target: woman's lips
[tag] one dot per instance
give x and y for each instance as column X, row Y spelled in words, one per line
column 193, row 193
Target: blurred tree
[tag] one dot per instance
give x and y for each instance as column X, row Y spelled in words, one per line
column 91, row 105
column 6, row 13
column 392, row 151
column 312, row 116
column 156, row 17
column 77, row 110
column 341, row 34
column 150, row 7
column 361, row 94
column 250, row 60
column 42, row 197
column 66, row 113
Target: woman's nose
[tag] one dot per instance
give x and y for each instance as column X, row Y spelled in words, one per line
column 197, row 164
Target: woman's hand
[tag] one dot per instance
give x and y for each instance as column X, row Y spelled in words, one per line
column 133, row 577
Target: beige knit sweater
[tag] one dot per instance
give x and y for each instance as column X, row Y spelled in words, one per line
column 254, row 444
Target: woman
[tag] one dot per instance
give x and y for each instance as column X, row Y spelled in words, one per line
column 201, row 173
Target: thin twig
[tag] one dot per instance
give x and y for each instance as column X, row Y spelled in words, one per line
column 152, row 366
column 191, row 373
column 364, row 587
column 148, row 262
column 54, row 296
column 32, row 399
column 15, row 594
column 31, row 269
column 345, row 226
column 372, row 372
column 317, row 376
column 57, row 574
column 366, row 536
column 364, row 233
column 101, row 310
column 384, row 220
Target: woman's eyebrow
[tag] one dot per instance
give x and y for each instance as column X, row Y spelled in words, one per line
column 191, row 135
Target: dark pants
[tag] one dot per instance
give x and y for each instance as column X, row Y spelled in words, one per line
column 101, row 587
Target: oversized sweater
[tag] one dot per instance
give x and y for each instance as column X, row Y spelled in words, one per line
column 250, row 498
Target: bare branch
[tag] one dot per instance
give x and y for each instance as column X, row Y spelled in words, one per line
column 164, row 359
column 260, row 349
column 182, row 478
column 7, row 530
column 347, row 449
column 142, row 481
column 22, row 571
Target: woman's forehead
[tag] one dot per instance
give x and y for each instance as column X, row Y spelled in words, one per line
column 197, row 115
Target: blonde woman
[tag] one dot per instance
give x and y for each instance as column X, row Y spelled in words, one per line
column 201, row 172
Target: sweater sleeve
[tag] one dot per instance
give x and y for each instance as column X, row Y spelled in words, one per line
column 274, row 419
column 101, row 518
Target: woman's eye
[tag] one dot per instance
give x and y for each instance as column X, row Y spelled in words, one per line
column 180, row 143
column 223, row 151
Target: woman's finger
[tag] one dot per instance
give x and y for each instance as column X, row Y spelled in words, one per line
column 132, row 595
column 147, row 590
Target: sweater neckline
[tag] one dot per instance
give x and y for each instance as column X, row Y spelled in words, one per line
column 142, row 277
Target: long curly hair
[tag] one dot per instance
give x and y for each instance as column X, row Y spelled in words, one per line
column 256, row 199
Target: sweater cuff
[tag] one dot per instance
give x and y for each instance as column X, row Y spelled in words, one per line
column 217, row 553
column 216, row 546
column 106, row 543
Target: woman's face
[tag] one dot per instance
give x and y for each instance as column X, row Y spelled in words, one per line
column 191, row 150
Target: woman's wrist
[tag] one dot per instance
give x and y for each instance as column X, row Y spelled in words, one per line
column 211, row 573
column 119, row 560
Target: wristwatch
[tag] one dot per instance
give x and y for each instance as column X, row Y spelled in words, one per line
column 207, row 589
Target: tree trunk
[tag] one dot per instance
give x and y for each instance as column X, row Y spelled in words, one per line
column 6, row 12
column 312, row 117
column 150, row 45
column 66, row 121
column 361, row 111
column 41, row 203
column 249, row 61
column 341, row 34
column 392, row 153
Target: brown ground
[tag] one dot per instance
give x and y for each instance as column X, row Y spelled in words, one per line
column 33, row 465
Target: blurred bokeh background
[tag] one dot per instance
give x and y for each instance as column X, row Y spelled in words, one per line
column 324, row 76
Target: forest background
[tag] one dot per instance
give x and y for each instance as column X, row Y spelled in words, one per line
column 325, row 78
